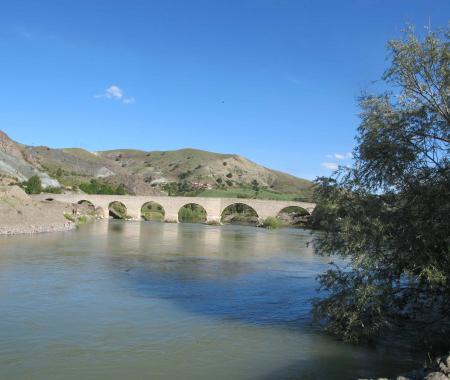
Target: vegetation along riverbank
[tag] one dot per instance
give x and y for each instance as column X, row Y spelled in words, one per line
column 389, row 215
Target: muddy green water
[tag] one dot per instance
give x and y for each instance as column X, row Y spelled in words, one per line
column 129, row 300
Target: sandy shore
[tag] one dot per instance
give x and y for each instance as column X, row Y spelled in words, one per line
column 19, row 214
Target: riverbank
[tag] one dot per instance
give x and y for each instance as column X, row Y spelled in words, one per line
column 437, row 370
column 19, row 214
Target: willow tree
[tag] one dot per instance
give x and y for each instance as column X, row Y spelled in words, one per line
column 389, row 215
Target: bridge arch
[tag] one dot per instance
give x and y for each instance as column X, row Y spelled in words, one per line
column 86, row 203
column 192, row 213
column 239, row 213
column 293, row 215
column 118, row 210
column 153, row 211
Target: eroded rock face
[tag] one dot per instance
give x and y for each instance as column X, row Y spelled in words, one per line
column 14, row 163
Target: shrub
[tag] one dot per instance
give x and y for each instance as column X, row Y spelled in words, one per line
column 271, row 223
column 184, row 175
column 70, row 217
column 53, row 190
column 97, row 187
column 33, row 185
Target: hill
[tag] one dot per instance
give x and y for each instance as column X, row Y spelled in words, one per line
column 185, row 171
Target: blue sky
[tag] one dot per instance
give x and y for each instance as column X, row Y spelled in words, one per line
column 276, row 81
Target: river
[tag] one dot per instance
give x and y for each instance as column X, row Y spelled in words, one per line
column 145, row 300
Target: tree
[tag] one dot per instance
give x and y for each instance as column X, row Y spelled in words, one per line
column 389, row 215
column 33, row 185
column 255, row 186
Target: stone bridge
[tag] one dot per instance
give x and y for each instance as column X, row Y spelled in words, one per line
column 214, row 207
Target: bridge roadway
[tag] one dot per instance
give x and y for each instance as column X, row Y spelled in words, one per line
column 214, row 206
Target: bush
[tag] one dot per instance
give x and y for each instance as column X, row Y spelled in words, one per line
column 97, row 187
column 53, row 190
column 33, row 185
column 271, row 223
column 70, row 217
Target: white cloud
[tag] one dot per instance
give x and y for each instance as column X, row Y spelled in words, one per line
column 330, row 165
column 343, row 156
column 115, row 92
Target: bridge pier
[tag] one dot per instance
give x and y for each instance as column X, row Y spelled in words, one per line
column 213, row 219
column 104, row 208
column 133, row 211
column 171, row 217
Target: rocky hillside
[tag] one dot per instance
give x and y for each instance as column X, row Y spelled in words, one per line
column 145, row 173
column 205, row 168
column 17, row 163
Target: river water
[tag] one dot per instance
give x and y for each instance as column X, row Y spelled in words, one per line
column 130, row 300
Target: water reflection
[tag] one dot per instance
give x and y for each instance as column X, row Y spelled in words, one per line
column 128, row 299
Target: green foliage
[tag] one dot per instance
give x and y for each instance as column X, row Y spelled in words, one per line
column 79, row 220
column 184, row 175
column 152, row 211
column 83, row 219
column 184, row 188
column 70, row 217
column 33, row 185
column 271, row 223
column 389, row 216
column 97, row 187
column 255, row 186
column 192, row 213
column 118, row 210
column 53, row 190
